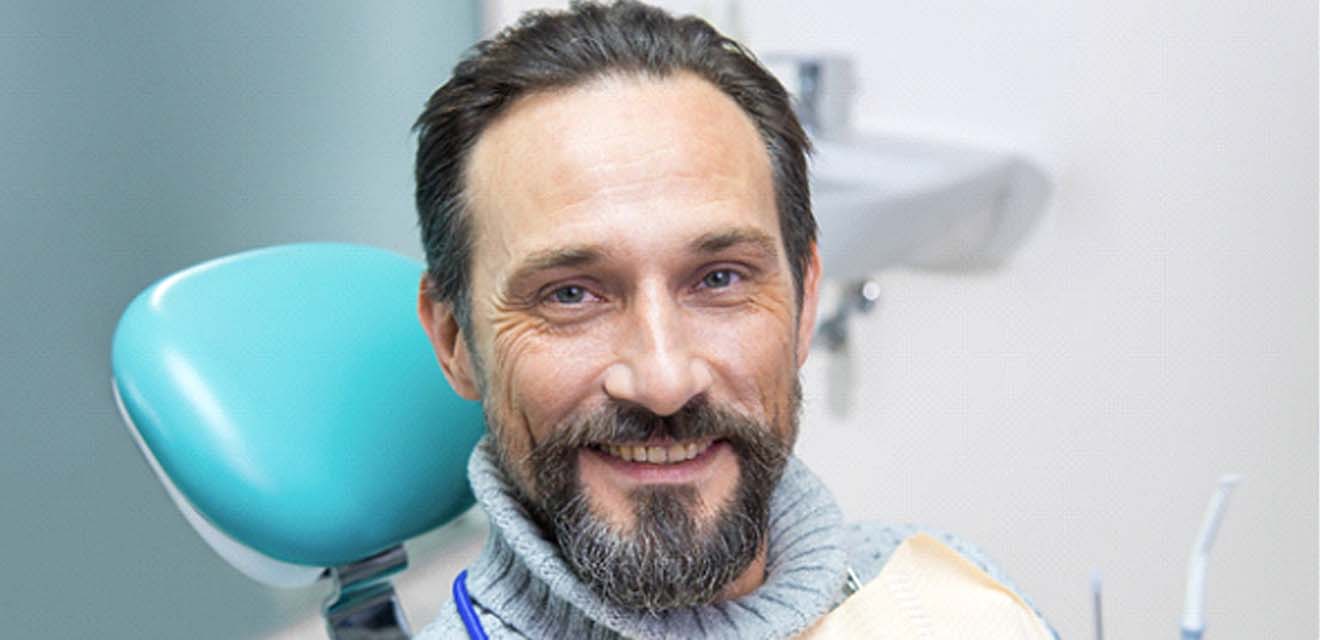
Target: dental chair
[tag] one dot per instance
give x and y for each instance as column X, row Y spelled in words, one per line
column 289, row 401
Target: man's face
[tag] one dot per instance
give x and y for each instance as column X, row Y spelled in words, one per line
column 636, row 332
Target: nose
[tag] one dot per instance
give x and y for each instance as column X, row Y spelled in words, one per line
column 660, row 362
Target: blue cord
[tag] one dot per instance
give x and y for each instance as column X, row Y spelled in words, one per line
column 464, row 604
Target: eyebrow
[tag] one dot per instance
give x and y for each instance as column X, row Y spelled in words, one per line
column 722, row 240
column 578, row 256
column 560, row 258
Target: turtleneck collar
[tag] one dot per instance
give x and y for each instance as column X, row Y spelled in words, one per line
column 522, row 578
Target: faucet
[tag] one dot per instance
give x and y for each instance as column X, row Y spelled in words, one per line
column 823, row 88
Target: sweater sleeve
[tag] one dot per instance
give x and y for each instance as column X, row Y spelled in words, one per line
column 870, row 545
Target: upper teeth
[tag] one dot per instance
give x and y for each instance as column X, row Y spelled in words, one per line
column 656, row 455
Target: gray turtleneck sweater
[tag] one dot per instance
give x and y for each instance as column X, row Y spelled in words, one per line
column 521, row 586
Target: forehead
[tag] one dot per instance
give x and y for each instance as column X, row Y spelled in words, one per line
column 637, row 157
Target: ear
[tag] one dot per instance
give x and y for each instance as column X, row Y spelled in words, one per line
column 451, row 350
column 810, row 300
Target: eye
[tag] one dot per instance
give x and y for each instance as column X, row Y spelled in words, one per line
column 566, row 304
column 719, row 278
column 570, row 294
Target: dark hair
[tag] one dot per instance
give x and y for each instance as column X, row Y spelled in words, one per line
column 554, row 50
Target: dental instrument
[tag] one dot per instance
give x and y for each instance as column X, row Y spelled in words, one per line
column 1095, row 605
column 1193, row 621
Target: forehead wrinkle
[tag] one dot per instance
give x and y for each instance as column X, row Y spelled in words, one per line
column 690, row 162
column 660, row 176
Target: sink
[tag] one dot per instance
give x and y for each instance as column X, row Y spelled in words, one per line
column 884, row 201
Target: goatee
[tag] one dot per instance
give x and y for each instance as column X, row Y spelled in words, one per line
column 669, row 559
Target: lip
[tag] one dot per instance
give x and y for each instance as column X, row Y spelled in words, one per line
column 640, row 473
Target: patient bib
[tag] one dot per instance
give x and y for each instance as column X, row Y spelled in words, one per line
column 928, row 591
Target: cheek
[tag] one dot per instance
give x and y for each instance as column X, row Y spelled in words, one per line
column 542, row 379
column 753, row 356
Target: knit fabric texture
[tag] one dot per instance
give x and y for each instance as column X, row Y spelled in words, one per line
column 521, row 586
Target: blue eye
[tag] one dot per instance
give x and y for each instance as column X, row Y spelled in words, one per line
column 570, row 294
column 719, row 279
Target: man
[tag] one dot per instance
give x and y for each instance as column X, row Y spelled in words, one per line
column 622, row 267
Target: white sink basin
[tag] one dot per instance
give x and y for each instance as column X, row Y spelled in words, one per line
column 887, row 201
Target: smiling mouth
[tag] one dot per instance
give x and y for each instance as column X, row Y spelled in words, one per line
column 656, row 453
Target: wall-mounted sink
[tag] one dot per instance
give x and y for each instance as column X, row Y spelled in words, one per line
column 884, row 201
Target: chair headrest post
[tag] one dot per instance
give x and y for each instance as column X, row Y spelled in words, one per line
column 364, row 605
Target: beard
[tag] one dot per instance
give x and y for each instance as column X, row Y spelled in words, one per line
column 670, row 558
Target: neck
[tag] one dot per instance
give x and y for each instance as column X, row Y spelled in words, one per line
column 749, row 581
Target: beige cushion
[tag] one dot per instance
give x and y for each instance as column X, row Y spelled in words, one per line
column 928, row 591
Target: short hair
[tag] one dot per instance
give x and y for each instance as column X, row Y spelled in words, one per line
column 548, row 50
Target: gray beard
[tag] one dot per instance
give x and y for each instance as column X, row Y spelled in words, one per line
column 668, row 559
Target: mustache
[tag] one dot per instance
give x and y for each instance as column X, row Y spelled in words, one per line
column 616, row 423
column 553, row 461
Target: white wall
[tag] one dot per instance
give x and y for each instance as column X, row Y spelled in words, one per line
column 1073, row 410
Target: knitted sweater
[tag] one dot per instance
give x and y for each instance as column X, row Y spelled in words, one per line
column 521, row 586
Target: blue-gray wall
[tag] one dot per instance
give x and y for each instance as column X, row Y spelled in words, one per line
column 138, row 138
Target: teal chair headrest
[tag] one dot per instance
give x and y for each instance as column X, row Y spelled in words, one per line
column 292, row 398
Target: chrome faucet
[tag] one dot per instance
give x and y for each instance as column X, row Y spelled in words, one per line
column 823, row 89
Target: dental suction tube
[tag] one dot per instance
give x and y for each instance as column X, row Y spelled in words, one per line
column 1193, row 622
